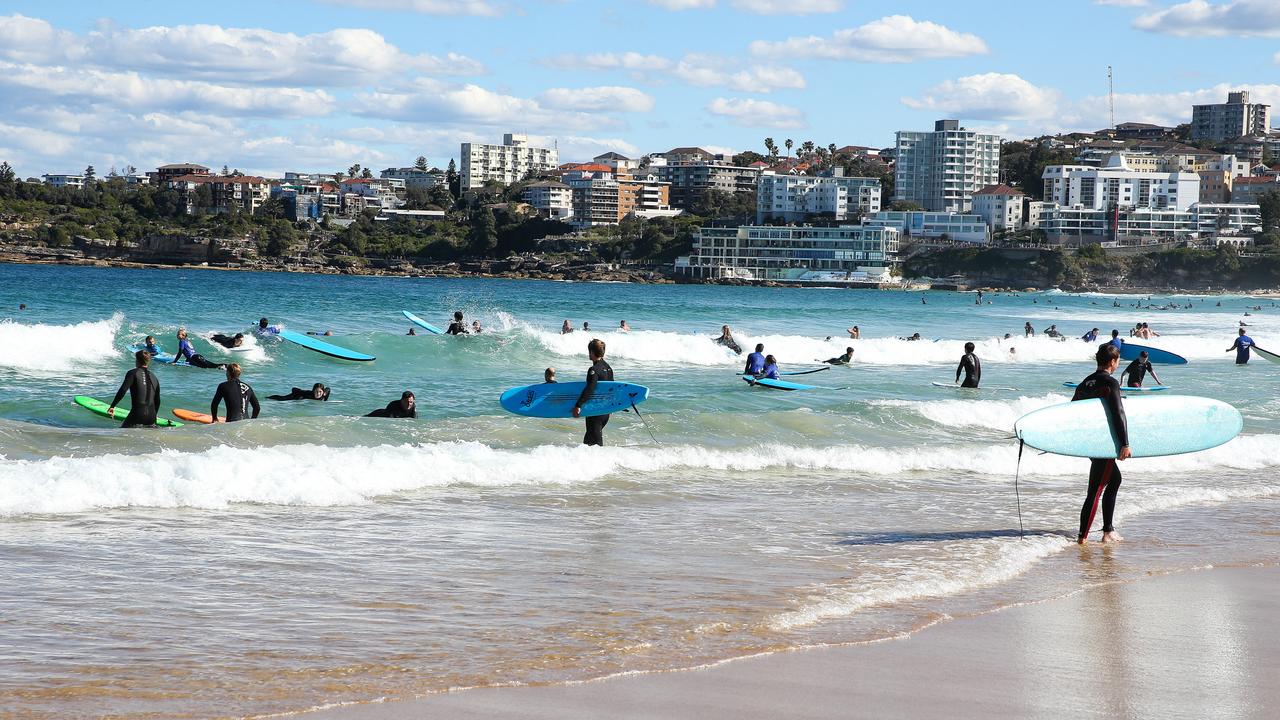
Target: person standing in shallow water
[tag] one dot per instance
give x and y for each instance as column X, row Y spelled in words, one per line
column 1104, row 473
column 970, row 366
column 597, row 373
column 144, row 393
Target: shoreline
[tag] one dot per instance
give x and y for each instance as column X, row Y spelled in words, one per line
column 1143, row 648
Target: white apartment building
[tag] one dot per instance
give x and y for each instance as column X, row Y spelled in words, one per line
column 750, row 252
column 620, row 164
column 1115, row 184
column 1000, row 206
column 941, row 170
column 795, row 198
column 946, row 227
column 510, row 162
column 1235, row 118
column 71, row 181
column 413, row 177
column 552, row 200
column 1203, row 221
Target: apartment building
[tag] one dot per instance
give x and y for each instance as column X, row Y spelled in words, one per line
column 792, row 253
column 1000, row 206
column 163, row 174
column 71, row 181
column 553, row 200
column 941, row 170
column 617, row 163
column 690, row 182
column 413, row 177
column 512, row 161
column 944, row 227
column 1202, row 221
column 228, row 193
column 796, row 198
column 1250, row 190
column 1235, row 118
column 1115, row 184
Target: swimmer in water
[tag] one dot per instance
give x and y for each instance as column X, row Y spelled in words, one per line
column 458, row 326
column 319, row 391
column 566, row 328
column 405, row 407
column 726, row 339
column 549, row 375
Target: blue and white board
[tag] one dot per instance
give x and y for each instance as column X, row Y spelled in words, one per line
column 776, row 384
column 556, row 400
column 422, row 323
column 163, row 357
column 1130, row 351
column 1158, row 425
column 1267, row 354
column 322, row 347
column 1126, row 388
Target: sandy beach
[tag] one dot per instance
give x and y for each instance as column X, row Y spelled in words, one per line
column 1199, row 644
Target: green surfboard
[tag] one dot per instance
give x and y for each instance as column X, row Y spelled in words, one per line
column 97, row 407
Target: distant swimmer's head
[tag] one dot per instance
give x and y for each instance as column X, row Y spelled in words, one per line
column 233, row 371
column 595, row 349
column 22, row 306
column 263, row 322
column 968, row 347
column 142, row 358
column 1108, row 356
column 412, row 331
column 549, row 375
column 457, row 315
column 320, row 391
column 1007, row 336
column 759, row 347
column 586, row 325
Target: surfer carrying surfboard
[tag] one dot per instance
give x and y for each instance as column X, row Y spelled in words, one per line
column 598, row 372
column 1104, row 473
column 1242, row 345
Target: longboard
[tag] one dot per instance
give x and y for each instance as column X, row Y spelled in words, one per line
column 323, row 347
column 1126, row 388
column 1130, row 351
column 163, row 357
column 195, row 417
column 957, row 387
column 1267, row 354
column 99, row 408
column 422, row 323
column 776, row 384
column 1158, row 425
column 556, row 400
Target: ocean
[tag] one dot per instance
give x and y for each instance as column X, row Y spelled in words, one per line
column 313, row 557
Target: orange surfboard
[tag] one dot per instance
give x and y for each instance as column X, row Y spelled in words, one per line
column 196, row 417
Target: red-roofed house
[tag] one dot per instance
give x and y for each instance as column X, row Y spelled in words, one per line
column 1000, row 206
column 1250, row 190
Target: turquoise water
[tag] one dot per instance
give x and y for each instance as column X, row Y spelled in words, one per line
column 313, row 557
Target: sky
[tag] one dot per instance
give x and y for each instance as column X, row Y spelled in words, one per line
column 317, row 85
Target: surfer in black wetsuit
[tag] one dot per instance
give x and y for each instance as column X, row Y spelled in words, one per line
column 549, row 375
column 1138, row 369
column 726, row 339
column 237, row 395
column 405, row 407
column 1104, row 473
column 598, row 372
column 229, row 341
column 844, row 359
column 144, row 393
column 457, row 327
column 971, row 366
column 319, row 391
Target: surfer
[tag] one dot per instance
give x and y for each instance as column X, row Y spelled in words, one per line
column 1052, row 332
column 1137, row 370
column 457, row 327
column 549, row 375
column 237, row 395
column 1028, row 331
column 1104, row 473
column 319, row 391
column 144, row 394
column 1091, row 336
column 586, row 326
column 755, row 362
column 229, row 341
column 971, row 366
column 188, row 352
column 770, row 370
column 1242, row 347
column 726, row 339
column 412, row 331
column 1116, row 341
column 476, row 327
column 854, row 333
column 149, row 344
column 844, row 359
column 624, row 327
column 566, row 328
column 599, row 371
column 405, row 407
column 266, row 328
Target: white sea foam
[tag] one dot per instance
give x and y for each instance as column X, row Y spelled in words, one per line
column 57, row 348
column 988, row 414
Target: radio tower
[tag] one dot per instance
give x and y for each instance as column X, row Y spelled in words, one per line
column 1111, row 96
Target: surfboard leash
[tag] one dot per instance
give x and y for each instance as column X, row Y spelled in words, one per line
column 644, row 422
column 1016, row 494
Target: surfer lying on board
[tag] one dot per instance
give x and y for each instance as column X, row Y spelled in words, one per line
column 229, row 341
column 599, row 371
column 266, row 328
column 144, row 394
column 844, row 359
column 971, row 367
column 238, row 396
column 1137, row 370
column 151, row 347
column 755, row 362
column 405, row 407
column 187, row 351
column 319, row 391
column 1241, row 346
column 726, row 339
column 1104, row 473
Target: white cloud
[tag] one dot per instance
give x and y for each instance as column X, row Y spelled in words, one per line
column 610, row 61
column 1199, row 18
column 426, row 7
column 748, row 112
column 428, row 100
column 893, row 39
column 683, row 4
column 990, row 96
column 597, row 99
column 789, row 7
column 697, row 69
column 1122, row 3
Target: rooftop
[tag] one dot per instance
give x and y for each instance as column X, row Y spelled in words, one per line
column 1000, row 189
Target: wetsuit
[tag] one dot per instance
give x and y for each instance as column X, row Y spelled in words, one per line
column 1090, row 336
column 1242, row 346
column 755, row 364
column 144, row 397
column 239, row 398
column 457, row 328
column 1118, row 342
column 226, row 341
column 729, row 343
column 394, row 410
column 1104, row 473
column 298, row 394
column 842, row 360
column 598, row 372
column 152, row 350
column 770, row 372
column 972, row 368
column 187, row 352
column 1137, row 371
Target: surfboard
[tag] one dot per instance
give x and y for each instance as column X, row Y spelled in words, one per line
column 776, row 384
column 422, row 323
column 1267, row 354
column 1126, row 388
column 196, row 417
column 556, row 400
column 1130, row 351
column 323, row 347
column 99, row 408
column 1158, row 425
column 956, row 386
column 163, row 357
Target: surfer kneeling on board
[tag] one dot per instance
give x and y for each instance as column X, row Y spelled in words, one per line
column 319, row 391
column 238, row 396
column 150, row 346
column 1138, row 369
column 1242, row 345
column 755, row 362
column 971, row 366
column 599, row 371
column 405, row 407
column 1104, row 473
column 144, row 394
column 844, row 359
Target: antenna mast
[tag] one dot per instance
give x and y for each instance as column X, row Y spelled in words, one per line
column 1111, row 96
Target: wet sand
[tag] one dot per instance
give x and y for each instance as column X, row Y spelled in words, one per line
column 1200, row 644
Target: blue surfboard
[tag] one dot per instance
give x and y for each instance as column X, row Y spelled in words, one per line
column 1158, row 425
column 1126, row 388
column 163, row 357
column 776, row 384
column 1130, row 351
column 323, row 347
column 556, row 400
column 422, row 323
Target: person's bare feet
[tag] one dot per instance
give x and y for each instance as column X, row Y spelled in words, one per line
column 1111, row 537
column 1081, row 539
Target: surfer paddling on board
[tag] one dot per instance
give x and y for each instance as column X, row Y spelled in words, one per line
column 187, row 351
column 319, row 391
column 1242, row 347
column 149, row 344
column 238, row 396
column 1138, row 369
column 970, row 366
column 726, row 339
column 144, row 394
column 233, row 341
column 405, row 407
column 844, row 359
column 598, row 372
column 266, row 328
column 1091, row 336
column 1104, row 473
column 755, row 362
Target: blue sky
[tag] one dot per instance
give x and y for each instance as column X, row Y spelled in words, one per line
column 320, row 84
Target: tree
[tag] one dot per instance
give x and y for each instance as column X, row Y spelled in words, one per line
column 89, row 174
column 453, row 179
column 484, row 231
column 337, row 177
column 903, row 206
column 366, row 173
column 7, row 175
column 772, row 147
column 1270, row 205
column 807, row 148
column 354, row 170
column 421, row 162
column 789, row 145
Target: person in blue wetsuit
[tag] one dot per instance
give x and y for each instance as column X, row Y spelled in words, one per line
column 151, row 347
column 1242, row 347
column 755, row 362
column 1091, row 336
column 1116, row 341
column 1104, row 473
column 770, row 369
column 144, row 394
column 187, row 352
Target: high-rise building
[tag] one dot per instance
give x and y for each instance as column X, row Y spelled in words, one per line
column 796, row 198
column 1237, row 117
column 510, row 162
column 941, row 170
